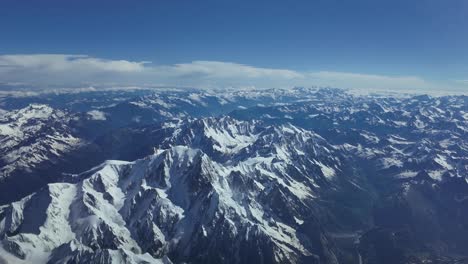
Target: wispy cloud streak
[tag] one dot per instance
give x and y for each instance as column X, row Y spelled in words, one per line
column 39, row 70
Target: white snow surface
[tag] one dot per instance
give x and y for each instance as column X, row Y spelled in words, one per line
column 33, row 135
column 97, row 115
column 146, row 208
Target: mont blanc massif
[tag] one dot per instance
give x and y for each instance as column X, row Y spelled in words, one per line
column 303, row 175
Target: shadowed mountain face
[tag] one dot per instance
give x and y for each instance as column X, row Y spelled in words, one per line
column 283, row 176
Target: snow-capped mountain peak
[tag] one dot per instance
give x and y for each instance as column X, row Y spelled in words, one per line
column 180, row 200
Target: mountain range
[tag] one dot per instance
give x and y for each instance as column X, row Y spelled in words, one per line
column 252, row 176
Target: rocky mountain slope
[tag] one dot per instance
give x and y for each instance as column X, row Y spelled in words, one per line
column 326, row 178
column 34, row 135
column 187, row 203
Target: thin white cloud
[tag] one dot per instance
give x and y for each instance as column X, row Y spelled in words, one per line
column 61, row 69
column 62, row 62
column 370, row 81
column 74, row 70
column 216, row 69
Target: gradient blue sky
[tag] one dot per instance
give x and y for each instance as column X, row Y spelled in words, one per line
column 424, row 39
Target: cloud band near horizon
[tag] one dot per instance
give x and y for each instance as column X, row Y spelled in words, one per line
column 45, row 70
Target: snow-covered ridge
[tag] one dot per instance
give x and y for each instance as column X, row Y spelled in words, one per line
column 33, row 135
column 180, row 202
column 223, row 189
column 396, row 134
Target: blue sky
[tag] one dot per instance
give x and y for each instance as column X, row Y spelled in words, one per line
column 420, row 44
